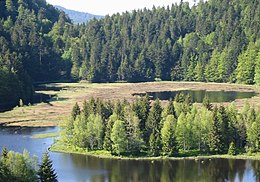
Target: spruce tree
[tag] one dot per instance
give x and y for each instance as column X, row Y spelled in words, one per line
column 75, row 111
column 5, row 173
column 232, row 149
column 206, row 103
column 46, row 172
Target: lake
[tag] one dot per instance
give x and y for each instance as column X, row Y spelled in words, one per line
column 74, row 167
column 198, row 95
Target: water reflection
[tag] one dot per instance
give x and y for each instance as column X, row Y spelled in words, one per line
column 214, row 170
column 198, row 95
column 73, row 167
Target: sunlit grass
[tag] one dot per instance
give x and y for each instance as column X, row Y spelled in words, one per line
column 46, row 135
column 59, row 107
column 192, row 155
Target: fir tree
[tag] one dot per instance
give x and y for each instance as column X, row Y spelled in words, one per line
column 232, row 149
column 75, row 111
column 46, row 172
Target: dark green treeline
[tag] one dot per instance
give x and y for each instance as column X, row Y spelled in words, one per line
column 216, row 40
column 139, row 129
column 28, row 51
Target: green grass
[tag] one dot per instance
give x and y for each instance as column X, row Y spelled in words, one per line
column 46, row 135
column 192, row 155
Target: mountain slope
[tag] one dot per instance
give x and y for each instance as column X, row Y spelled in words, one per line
column 78, row 17
column 29, row 48
column 214, row 41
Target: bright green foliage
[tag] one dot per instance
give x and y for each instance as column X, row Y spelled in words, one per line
column 107, row 140
column 253, row 134
column 223, row 67
column 134, row 137
column 168, row 136
column 182, row 132
column 199, row 72
column 232, row 149
column 195, row 128
column 119, row 137
column 94, row 132
column 68, row 132
column 154, row 144
column 246, row 65
column 79, row 132
column 169, row 109
column 257, row 69
column 211, row 74
column 46, row 172
column 16, row 166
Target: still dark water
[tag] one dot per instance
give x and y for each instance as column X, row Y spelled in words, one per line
column 80, row 168
column 198, row 95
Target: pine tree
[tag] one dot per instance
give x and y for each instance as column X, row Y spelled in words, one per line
column 232, row 149
column 206, row 103
column 153, row 124
column 215, row 142
column 46, row 172
column 75, row 111
column 4, row 152
column 5, row 173
column 107, row 145
column 246, row 65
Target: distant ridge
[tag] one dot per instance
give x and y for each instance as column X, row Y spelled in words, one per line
column 78, row 17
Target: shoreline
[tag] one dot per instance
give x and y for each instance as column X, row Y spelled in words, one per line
column 59, row 107
column 107, row 155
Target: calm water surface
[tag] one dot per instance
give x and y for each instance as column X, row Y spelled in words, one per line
column 73, row 168
column 198, row 95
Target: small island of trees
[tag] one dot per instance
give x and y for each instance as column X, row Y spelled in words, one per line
column 142, row 128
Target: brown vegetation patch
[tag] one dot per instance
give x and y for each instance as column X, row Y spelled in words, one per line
column 52, row 114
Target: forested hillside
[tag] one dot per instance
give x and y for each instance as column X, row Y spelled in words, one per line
column 29, row 50
column 216, row 40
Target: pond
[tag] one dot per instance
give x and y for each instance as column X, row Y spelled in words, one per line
column 74, row 167
column 198, row 95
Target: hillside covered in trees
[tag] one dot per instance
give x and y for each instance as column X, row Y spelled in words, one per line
column 215, row 41
column 28, row 50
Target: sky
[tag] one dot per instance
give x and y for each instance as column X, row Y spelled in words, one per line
column 104, row 7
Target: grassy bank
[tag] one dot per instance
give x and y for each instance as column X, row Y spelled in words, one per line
column 52, row 113
column 46, row 135
column 58, row 147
